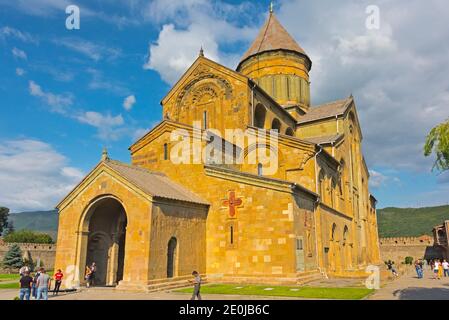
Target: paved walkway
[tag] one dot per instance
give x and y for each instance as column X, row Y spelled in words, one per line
column 409, row 287
column 109, row 294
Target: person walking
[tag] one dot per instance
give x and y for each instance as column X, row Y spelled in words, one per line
column 435, row 269
column 34, row 287
column 445, row 268
column 87, row 276
column 418, row 269
column 42, row 285
column 196, row 285
column 58, row 280
column 25, row 286
column 440, row 269
column 421, row 264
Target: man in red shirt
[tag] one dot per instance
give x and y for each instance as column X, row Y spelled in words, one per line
column 58, row 279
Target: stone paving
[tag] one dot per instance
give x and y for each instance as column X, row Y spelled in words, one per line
column 409, row 287
column 406, row 287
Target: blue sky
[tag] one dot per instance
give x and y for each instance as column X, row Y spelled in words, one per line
column 64, row 91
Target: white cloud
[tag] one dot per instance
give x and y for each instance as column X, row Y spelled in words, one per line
column 398, row 74
column 98, row 82
column 57, row 103
column 109, row 127
column 7, row 31
column 19, row 53
column 190, row 25
column 129, row 102
column 90, row 49
column 34, row 176
column 20, row 72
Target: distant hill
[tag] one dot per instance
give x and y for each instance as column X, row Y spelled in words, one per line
column 410, row 222
column 392, row 222
column 39, row 221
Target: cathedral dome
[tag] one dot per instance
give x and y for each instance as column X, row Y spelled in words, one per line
column 278, row 64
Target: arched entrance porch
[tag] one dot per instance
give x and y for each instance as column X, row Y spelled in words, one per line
column 103, row 242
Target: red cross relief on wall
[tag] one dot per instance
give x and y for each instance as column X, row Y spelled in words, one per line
column 232, row 203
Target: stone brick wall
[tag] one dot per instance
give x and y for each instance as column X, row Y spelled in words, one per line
column 45, row 253
column 397, row 248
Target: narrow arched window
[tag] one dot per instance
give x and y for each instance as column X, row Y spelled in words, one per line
column 259, row 169
column 205, row 120
column 165, row 151
column 231, row 231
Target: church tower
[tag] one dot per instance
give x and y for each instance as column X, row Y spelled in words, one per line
column 279, row 65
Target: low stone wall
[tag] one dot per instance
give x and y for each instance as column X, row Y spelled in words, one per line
column 39, row 253
column 397, row 248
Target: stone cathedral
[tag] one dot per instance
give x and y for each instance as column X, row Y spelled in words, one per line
column 152, row 222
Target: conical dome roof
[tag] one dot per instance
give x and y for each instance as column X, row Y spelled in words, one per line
column 273, row 36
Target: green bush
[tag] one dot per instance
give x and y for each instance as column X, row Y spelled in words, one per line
column 408, row 260
column 27, row 236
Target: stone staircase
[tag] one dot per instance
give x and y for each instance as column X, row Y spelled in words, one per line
column 309, row 276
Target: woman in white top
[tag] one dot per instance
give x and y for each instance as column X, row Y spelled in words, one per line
column 436, row 265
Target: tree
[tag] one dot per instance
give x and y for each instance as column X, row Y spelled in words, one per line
column 4, row 213
column 13, row 258
column 9, row 228
column 438, row 142
column 27, row 236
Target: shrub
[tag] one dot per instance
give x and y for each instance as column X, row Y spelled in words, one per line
column 27, row 236
column 408, row 260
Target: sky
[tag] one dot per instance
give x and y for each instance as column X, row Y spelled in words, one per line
column 67, row 93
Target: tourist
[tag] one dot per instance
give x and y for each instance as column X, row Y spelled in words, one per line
column 446, row 268
column 394, row 271
column 418, row 268
column 435, row 269
column 42, row 285
column 23, row 270
column 34, row 288
column 196, row 285
column 87, row 276
column 440, row 269
column 25, row 286
column 93, row 270
column 58, row 279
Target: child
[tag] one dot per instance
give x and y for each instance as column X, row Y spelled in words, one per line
column 87, row 275
column 196, row 285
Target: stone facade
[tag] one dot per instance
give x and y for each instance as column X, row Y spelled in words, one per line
column 42, row 254
column 398, row 248
column 313, row 213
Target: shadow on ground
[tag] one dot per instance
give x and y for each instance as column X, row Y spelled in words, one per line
column 415, row 293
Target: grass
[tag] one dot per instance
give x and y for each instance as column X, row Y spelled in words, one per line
column 281, row 291
column 11, row 285
column 9, row 277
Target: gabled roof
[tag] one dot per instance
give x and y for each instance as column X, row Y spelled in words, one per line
column 273, row 36
column 202, row 60
column 151, row 183
column 154, row 183
column 327, row 110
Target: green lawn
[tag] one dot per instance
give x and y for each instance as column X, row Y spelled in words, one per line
column 281, row 291
column 9, row 277
column 11, row 285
